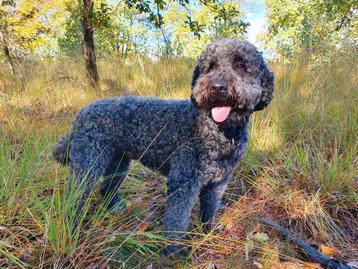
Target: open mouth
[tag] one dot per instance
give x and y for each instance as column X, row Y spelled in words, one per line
column 220, row 113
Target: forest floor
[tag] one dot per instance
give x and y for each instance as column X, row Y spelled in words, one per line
column 300, row 169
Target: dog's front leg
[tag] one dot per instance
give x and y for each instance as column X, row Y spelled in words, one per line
column 183, row 189
column 210, row 202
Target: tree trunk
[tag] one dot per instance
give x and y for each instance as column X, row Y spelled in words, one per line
column 89, row 48
column 7, row 52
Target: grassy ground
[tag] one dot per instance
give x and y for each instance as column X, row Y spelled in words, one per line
column 300, row 169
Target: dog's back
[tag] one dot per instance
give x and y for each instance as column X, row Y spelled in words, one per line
column 148, row 129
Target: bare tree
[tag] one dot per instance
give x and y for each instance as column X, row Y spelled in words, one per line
column 89, row 47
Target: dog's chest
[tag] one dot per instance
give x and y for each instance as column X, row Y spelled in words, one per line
column 219, row 155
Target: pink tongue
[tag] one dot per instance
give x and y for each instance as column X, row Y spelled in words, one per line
column 220, row 113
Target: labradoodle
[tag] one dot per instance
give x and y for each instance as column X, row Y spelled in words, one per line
column 197, row 143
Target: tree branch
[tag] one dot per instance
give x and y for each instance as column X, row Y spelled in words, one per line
column 312, row 254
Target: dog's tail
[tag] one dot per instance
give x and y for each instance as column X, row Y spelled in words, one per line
column 60, row 151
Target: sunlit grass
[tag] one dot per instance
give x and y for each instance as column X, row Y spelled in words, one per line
column 300, row 169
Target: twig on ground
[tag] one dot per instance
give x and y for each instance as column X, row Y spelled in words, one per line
column 312, row 254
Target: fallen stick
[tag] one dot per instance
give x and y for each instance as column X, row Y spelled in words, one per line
column 312, row 254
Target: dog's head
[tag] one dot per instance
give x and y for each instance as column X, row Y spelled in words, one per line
column 231, row 76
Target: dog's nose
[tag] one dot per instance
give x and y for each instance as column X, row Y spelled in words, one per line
column 219, row 86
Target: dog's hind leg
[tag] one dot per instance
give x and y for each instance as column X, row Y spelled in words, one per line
column 113, row 177
column 88, row 162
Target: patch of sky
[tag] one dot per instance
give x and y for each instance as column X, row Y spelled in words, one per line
column 256, row 15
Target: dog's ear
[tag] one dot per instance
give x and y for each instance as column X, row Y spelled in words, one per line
column 267, row 85
column 192, row 98
column 196, row 75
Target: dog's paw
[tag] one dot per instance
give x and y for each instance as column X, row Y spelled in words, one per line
column 208, row 227
column 117, row 205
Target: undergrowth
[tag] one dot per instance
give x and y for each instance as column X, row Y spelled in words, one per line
column 300, row 169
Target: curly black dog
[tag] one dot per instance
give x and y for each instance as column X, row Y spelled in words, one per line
column 196, row 143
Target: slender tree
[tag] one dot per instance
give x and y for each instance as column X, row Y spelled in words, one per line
column 97, row 18
column 6, row 50
column 88, row 44
column 3, row 37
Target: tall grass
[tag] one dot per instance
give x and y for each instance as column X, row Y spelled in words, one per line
column 300, row 169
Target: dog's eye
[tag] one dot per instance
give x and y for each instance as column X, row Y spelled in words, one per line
column 212, row 65
column 240, row 66
column 239, row 63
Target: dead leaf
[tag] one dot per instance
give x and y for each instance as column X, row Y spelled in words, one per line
column 97, row 223
column 143, row 227
column 311, row 265
column 328, row 250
